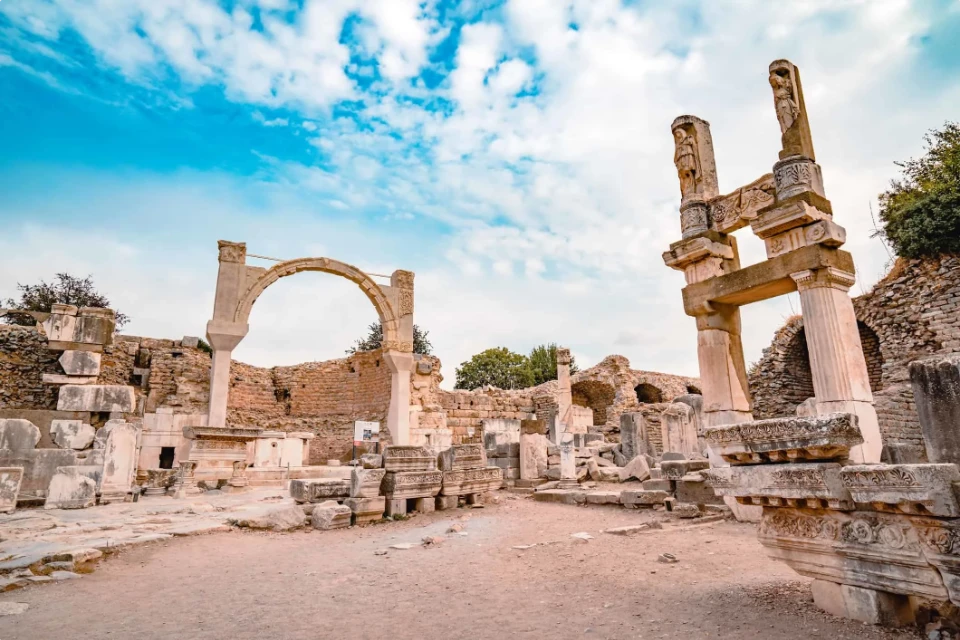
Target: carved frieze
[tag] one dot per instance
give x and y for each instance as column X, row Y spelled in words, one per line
column 411, row 484
column 797, row 175
column 467, row 481
column 397, row 345
column 918, row 489
column 735, row 210
column 463, row 456
column 694, row 218
column 408, row 458
column 786, row 439
column 813, row 485
column 319, row 489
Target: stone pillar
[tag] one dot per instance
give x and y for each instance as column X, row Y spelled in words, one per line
column 678, row 425
column 223, row 333
column 568, row 462
column 565, row 398
column 119, row 460
column 633, row 436
column 723, row 374
column 840, row 378
column 533, row 449
column 936, row 390
column 398, row 415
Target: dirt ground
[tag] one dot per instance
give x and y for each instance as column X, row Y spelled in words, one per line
column 312, row 584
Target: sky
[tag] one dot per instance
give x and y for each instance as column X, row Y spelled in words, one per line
column 515, row 154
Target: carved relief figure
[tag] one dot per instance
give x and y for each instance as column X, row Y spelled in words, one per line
column 784, row 99
column 685, row 157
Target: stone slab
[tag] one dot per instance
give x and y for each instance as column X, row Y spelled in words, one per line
column 658, row 485
column 563, row 496
column 365, row 483
column 676, row 469
column 792, row 439
column 693, row 489
column 366, row 510
column 39, row 467
column 814, row 485
column 81, row 363
column 319, row 489
column 918, row 489
column 72, row 434
column 463, row 456
column 603, row 497
column 411, row 484
column 637, row 468
column 328, row 516
column 10, row 479
column 70, row 489
column 466, row 481
column 99, row 398
column 936, row 391
column 17, row 434
column 641, row 498
column 408, row 458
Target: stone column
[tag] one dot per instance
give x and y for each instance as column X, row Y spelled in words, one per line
column 840, row 378
column 565, row 397
column 568, row 462
column 398, row 415
column 533, row 449
column 723, row 374
column 223, row 333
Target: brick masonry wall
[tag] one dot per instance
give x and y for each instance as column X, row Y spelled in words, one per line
column 913, row 312
column 24, row 358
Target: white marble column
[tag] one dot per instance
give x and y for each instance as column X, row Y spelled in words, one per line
column 841, row 381
column 398, row 415
column 223, row 338
column 565, row 396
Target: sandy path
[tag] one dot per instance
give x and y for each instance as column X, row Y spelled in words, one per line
column 312, row 585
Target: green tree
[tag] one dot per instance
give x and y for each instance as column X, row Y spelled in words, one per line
column 920, row 213
column 543, row 363
column 421, row 343
column 498, row 367
column 65, row 289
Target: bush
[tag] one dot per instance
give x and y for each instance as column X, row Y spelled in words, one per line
column 920, row 214
column 65, row 289
column 421, row 343
column 543, row 363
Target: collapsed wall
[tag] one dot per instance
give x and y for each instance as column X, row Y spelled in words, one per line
column 913, row 312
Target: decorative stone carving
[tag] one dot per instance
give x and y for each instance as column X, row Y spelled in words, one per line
column 408, row 458
column 471, row 481
column 870, row 550
column 232, row 251
column 676, row 469
column 365, row 483
column 796, row 175
column 735, row 210
column 694, row 219
column 701, row 258
column 940, row 542
column 917, row 489
column 397, row 345
column 319, row 489
column 813, row 485
column 694, row 159
column 186, row 484
column 786, row 439
column 791, row 110
column 463, row 456
column 411, row 484
column 239, row 478
column 366, row 510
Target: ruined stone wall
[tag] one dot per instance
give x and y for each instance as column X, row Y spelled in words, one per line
column 466, row 410
column 24, row 358
column 913, row 312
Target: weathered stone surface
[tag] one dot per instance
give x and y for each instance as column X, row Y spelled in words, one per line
column 658, row 485
column 693, row 489
column 467, row 481
column 505, row 463
column 39, row 466
column 642, row 498
column 371, row 461
column 411, row 484
column 365, row 483
column 603, row 497
column 10, row 478
column 275, row 518
column 678, row 424
column 17, row 435
column 319, row 489
column 70, row 489
column 633, row 435
column 72, row 434
column 814, row 485
column 936, row 391
column 636, row 468
column 408, row 458
column 676, row 469
column 807, row 408
column 80, row 363
column 330, row 516
column 366, row 510
column 863, row 549
column 464, row 456
column 686, row 510
column 563, row 496
column 120, row 460
column 442, row 502
column 918, row 489
column 828, row 437
column 100, row 398
column 533, row 451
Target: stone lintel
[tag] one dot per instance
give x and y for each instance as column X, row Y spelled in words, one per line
column 243, row 434
column 319, row 489
column 784, row 217
column 764, row 280
column 462, row 456
column 685, row 252
column 471, row 481
column 814, row 485
column 821, row 438
column 916, row 489
column 408, row 458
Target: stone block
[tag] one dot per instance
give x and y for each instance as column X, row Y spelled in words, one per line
column 506, row 463
column 917, row 489
column 81, row 363
column 17, row 434
column 603, row 497
column 685, row 510
column 676, row 469
column 72, row 434
column 408, row 458
column 395, row 506
column 424, row 505
column 10, row 479
column 411, row 484
column 563, row 496
column 365, row 483
column 815, row 485
column 828, row 437
column 330, row 515
column 69, row 489
column 642, row 498
column 319, row 489
column 463, row 456
column 658, row 485
column 672, row 455
column 506, row 450
column 371, row 461
column 936, row 391
column 876, row 607
column 636, row 468
column 366, row 510
column 190, row 342
column 511, row 474
column 443, row 503
column 533, row 454
column 99, row 398
column 273, row 517
column 39, row 467
column 120, row 461
column 696, row 492
column 467, row 481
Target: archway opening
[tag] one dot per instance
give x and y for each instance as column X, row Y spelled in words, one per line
column 796, row 384
column 873, row 355
column 595, row 395
column 692, row 389
column 648, row 393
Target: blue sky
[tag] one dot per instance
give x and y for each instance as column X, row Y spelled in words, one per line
column 516, row 154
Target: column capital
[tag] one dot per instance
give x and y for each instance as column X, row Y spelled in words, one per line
column 232, row 251
column 563, row 356
column 830, row 277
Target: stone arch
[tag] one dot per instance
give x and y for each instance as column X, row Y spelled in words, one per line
column 325, row 265
column 648, row 393
column 597, row 395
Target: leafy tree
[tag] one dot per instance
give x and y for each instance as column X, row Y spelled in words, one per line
column 543, row 363
column 65, row 289
column 498, row 367
column 921, row 213
column 421, row 344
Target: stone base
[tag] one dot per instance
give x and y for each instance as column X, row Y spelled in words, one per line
column 603, row 497
column 319, row 490
column 424, row 505
column 395, row 507
column 562, row 496
column 366, row 510
column 330, row 515
column 864, row 605
column 694, row 490
column 443, row 503
column 110, row 498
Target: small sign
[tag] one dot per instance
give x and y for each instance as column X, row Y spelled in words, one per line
column 366, row 432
